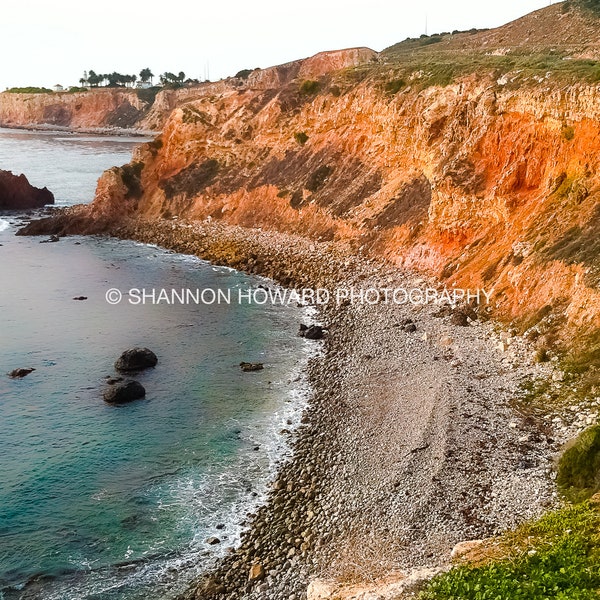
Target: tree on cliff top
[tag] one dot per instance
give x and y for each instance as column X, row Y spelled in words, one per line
column 146, row 75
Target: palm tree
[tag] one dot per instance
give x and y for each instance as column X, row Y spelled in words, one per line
column 146, row 75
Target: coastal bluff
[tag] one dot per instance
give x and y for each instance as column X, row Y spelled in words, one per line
column 16, row 193
column 487, row 178
column 115, row 110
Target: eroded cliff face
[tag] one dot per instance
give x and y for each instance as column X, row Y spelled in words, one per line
column 96, row 109
column 119, row 108
column 477, row 183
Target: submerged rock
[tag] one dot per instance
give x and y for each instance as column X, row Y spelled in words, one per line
column 249, row 367
column 16, row 193
column 52, row 239
column 127, row 391
column 136, row 359
column 20, row 373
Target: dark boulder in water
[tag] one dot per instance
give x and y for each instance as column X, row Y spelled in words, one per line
column 124, row 392
column 20, row 373
column 16, row 193
column 314, row 332
column 136, row 359
column 249, row 367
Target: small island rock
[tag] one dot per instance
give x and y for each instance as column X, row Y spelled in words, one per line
column 249, row 367
column 136, row 359
column 20, row 373
column 16, row 193
column 124, row 392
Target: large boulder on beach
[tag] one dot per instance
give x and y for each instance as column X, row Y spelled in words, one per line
column 126, row 391
column 136, row 359
column 16, row 193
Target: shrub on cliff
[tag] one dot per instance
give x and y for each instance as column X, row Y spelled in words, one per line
column 131, row 176
column 579, row 466
column 310, row 87
column 244, row 73
column 593, row 5
column 301, row 137
column 29, row 90
column 394, row 86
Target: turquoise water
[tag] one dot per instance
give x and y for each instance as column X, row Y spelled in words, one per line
column 107, row 502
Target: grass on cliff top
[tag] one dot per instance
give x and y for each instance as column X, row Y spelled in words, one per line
column 556, row 557
column 29, row 90
column 424, row 70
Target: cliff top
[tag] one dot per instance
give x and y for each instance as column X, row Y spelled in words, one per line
column 563, row 38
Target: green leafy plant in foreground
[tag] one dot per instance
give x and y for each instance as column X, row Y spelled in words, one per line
column 556, row 557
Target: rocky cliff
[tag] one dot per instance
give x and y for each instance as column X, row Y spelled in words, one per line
column 485, row 177
column 16, row 193
column 94, row 109
column 148, row 110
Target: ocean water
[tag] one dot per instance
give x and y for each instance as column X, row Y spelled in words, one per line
column 68, row 164
column 106, row 502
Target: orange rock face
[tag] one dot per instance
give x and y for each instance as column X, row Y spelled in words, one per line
column 482, row 185
column 97, row 109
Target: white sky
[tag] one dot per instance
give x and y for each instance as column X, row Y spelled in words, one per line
column 44, row 42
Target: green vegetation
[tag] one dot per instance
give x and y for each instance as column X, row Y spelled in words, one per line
column 579, row 466
column 593, row 5
column 394, row 86
column 146, row 75
column 29, row 90
column 77, row 90
column 244, row 73
column 568, row 132
column 542, row 355
column 310, row 87
column 301, row 137
column 171, row 80
column 191, row 116
column 113, row 79
column 556, row 557
column 92, row 79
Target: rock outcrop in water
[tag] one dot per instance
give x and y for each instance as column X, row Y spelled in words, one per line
column 124, row 392
column 136, row 359
column 16, row 193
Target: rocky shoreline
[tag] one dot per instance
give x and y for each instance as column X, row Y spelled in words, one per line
column 101, row 131
column 411, row 442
